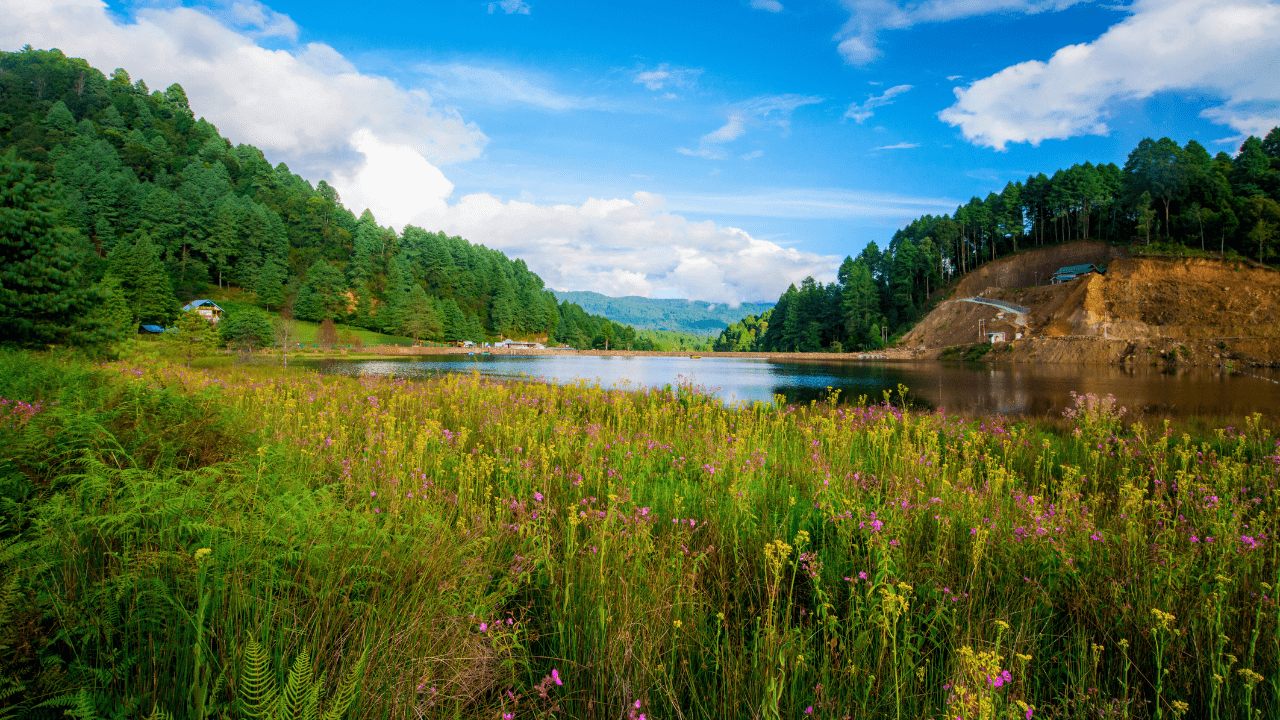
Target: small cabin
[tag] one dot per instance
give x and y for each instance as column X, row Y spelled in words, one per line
column 1071, row 272
column 995, row 337
column 206, row 309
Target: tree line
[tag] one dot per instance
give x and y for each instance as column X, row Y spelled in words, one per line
column 1167, row 197
column 148, row 206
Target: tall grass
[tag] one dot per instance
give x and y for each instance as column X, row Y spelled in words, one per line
column 535, row 550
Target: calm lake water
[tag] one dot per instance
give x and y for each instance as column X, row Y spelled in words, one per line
column 974, row 388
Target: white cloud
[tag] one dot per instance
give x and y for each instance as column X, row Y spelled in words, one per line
column 500, row 87
column 631, row 247
column 812, row 204
column 259, row 20
column 1224, row 50
column 899, row 146
column 303, row 106
column 753, row 155
column 773, row 110
column 667, row 76
column 861, row 112
column 380, row 145
column 708, row 153
column 951, row 78
column 510, row 7
column 859, row 36
column 395, row 182
column 768, row 5
column 735, row 128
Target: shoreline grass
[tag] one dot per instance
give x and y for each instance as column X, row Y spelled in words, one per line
column 527, row 550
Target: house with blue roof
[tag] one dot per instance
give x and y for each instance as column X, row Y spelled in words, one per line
column 206, row 309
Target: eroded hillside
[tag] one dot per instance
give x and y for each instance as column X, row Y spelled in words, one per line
column 1184, row 310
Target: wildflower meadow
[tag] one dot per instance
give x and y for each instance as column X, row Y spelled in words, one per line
column 261, row 542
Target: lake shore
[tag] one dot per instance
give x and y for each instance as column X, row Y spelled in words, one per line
column 887, row 354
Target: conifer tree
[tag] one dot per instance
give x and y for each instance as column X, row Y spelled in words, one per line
column 42, row 293
column 195, row 336
column 143, row 281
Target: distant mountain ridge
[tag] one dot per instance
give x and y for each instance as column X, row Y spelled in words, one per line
column 692, row 316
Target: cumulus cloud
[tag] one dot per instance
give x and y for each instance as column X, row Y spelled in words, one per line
column 858, row 37
column 496, row 86
column 631, row 247
column 766, row 110
column 380, row 145
column 767, row 5
column 510, row 7
column 667, row 76
column 861, row 112
column 395, row 182
column 258, row 20
column 1226, row 50
column 305, row 105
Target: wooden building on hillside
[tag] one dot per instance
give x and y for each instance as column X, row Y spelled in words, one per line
column 206, row 309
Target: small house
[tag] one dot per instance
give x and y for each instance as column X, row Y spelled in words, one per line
column 995, row 337
column 206, row 309
column 518, row 344
column 1071, row 272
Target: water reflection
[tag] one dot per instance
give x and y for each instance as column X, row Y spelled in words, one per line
column 974, row 388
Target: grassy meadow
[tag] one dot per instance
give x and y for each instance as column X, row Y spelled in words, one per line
column 185, row 543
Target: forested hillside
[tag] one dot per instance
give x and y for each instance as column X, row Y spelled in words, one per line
column 698, row 317
column 155, row 207
column 1166, row 198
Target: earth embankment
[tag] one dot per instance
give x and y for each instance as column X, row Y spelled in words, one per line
column 1200, row 311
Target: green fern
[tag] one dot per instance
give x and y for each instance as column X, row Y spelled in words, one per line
column 158, row 713
column 347, row 690
column 78, row 705
column 258, row 692
column 298, row 689
column 303, row 696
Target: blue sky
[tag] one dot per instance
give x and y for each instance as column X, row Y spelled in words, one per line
column 717, row 151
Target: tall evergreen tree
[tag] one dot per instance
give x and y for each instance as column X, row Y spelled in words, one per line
column 42, row 289
column 140, row 272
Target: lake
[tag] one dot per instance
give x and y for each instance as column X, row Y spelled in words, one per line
column 972, row 388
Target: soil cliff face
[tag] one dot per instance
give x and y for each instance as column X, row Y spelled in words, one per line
column 1183, row 310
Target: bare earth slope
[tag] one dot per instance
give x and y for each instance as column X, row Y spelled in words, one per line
column 1182, row 310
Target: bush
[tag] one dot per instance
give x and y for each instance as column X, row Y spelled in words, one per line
column 246, row 330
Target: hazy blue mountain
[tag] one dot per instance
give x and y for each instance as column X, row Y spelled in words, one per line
column 692, row 316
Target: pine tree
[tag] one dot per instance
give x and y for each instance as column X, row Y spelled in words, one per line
column 195, row 336
column 142, row 278
column 269, row 284
column 42, row 293
column 60, row 118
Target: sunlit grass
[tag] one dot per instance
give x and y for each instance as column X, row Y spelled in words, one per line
column 582, row 552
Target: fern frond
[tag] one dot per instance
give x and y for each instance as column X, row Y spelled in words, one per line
column 346, row 694
column 11, row 687
column 159, row 713
column 78, row 704
column 295, row 693
column 8, row 599
column 312, row 709
column 258, row 692
column 64, row 700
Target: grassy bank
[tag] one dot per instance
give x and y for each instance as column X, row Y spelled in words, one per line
column 526, row 550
